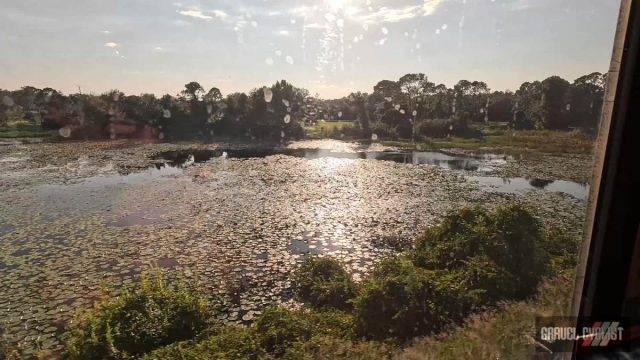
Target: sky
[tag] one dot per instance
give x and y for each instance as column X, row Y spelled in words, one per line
column 330, row 47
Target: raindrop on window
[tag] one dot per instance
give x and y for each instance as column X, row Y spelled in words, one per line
column 339, row 114
column 166, row 113
column 397, row 106
column 268, row 95
column 374, row 137
column 285, row 102
column 415, row 113
column 289, row 60
column 402, row 111
column 65, row 131
column 287, row 119
column 385, row 30
column 8, row 101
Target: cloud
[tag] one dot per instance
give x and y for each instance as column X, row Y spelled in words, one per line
column 111, row 45
column 392, row 15
column 195, row 13
column 220, row 14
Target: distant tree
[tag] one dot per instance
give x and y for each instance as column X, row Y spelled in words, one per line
column 555, row 103
column 527, row 108
column 500, row 107
column 359, row 101
column 587, row 94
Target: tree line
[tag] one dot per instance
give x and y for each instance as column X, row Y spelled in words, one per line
column 410, row 107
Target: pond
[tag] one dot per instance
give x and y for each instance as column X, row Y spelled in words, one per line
column 211, row 217
column 483, row 163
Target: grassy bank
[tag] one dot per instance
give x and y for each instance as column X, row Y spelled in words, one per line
column 324, row 129
column 24, row 130
column 517, row 142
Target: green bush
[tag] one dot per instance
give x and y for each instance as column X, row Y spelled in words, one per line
column 441, row 128
column 324, row 283
column 384, row 131
column 138, row 321
column 279, row 328
column 324, row 348
column 230, row 343
column 496, row 256
column 563, row 250
column 401, row 301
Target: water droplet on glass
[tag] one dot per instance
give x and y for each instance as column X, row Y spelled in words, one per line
column 289, row 60
column 415, row 112
column 166, row 113
column 268, row 95
column 385, row 30
column 402, row 111
column 282, row 134
column 161, row 136
column 397, row 107
column 278, row 52
column 339, row 114
column 382, row 41
column 65, row 131
column 285, row 102
column 388, row 98
column 8, row 101
column 287, row 119
column 374, row 137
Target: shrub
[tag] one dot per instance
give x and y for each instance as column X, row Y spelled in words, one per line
column 230, row 343
column 324, row 347
column 279, row 328
column 497, row 255
column 503, row 333
column 563, row 250
column 324, row 283
column 138, row 321
column 401, row 301
column 384, row 131
column 441, row 128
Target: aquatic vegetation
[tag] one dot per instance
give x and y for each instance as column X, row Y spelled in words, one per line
column 324, row 283
column 139, row 321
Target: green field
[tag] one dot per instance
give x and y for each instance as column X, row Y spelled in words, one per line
column 324, row 128
column 24, row 130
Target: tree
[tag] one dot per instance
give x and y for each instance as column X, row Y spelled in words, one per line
column 587, row 94
column 359, row 101
column 555, row 103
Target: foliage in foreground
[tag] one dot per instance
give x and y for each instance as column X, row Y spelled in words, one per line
column 139, row 321
column 278, row 333
column 324, row 283
column 497, row 255
column 505, row 333
column 401, row 301
column 473, row 261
